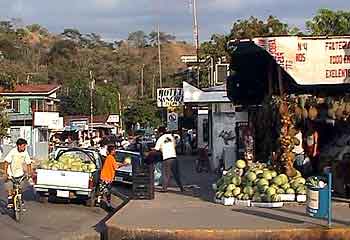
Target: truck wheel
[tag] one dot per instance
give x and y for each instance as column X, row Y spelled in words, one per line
column 92, row 200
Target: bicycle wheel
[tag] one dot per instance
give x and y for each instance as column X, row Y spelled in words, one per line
column 18, row 208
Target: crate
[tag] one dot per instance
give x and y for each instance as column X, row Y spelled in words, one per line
column 143, row 195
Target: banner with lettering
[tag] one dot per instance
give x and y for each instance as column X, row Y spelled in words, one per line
column 311, row 60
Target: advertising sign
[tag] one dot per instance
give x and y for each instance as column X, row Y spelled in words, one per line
column 311, row 61
column 51, row 120
column 170, row 97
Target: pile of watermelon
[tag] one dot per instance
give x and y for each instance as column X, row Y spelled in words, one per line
column 69, row 163
column 258, row 183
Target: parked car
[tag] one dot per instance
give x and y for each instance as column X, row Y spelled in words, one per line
column 124, row 174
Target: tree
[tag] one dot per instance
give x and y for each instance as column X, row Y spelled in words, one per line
column 142, row 111
column 4, row 121
column 254, row 27
column 328, row 22
column 137, row 39
column 163, row 38
column 72, row 34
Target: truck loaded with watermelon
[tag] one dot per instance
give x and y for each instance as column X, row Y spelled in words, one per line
column 259, row 183
column 73, row 173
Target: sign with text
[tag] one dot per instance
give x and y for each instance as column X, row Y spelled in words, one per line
column 170, row 97
column 311, row 61
column 172, row 121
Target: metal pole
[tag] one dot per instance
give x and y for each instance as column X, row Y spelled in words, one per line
column 91, row 103
column 196, row 37
column 120, row 111
column 159, row 59
column 329, row 200
column 143, row 65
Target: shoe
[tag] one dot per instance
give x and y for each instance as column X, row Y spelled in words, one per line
column 9, row 206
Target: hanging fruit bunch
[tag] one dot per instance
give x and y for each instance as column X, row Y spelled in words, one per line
column 339, row 109
column 287, row 108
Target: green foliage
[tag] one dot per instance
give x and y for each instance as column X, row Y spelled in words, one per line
column 4, row 121
column 254, row 27
column 328, row 22
column 144, row 112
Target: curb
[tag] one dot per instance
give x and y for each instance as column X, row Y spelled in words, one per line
column 116, row 232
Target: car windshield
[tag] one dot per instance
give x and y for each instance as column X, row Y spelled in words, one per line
column 122, row 155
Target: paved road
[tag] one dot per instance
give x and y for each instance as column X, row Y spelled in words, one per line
column 51, row 221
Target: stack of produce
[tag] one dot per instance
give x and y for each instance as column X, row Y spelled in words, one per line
column 258, row 183
column 316, row 182
column 68, row 163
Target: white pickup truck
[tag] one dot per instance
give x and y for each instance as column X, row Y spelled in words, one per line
column 74, row 173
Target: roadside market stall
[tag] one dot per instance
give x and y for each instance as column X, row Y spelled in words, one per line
column 293, row 105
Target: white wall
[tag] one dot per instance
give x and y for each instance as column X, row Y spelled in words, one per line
column 201, row 118
column 224, row 127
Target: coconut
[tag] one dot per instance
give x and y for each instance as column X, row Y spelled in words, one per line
column 305, row 113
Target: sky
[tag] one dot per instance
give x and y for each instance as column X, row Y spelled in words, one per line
column 115, row 19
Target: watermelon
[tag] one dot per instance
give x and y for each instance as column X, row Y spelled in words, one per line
column 240, row 196
column 230, row 187
column 278, row 180
column 245, row 197
column 290, row 191
column 263, row 182
column 280, row 191
column 275, row 198
column 241, row 164
column 236, row 180
column 251, row 176
column 248, row 190
column 236, row 191
column 263, row 188
column 273, row 173
column 271, row 191
column 284, row 178
column 285, row 186
column 267, row 175
column 228, row 194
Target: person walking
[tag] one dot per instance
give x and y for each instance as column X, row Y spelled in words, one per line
column 166, row 144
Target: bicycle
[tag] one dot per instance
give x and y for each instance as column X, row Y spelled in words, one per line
column 17, row 206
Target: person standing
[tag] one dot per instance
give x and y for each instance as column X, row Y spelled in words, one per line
column 166, row 144
column 14, row 162
column 298, row 149
column 312, row 143
column 109, row 167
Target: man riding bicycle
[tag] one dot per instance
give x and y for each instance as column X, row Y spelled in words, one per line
column 14, row 166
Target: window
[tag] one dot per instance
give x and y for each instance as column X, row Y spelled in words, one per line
column 37, row 105
column 43, row 135
column 13, row 105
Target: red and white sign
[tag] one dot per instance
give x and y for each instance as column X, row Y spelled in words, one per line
column 311, row 61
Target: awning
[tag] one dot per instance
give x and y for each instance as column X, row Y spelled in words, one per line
column 256, row 74
column 193, row 94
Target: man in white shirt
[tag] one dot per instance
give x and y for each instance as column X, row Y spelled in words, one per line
column 166, row 144
column 14, row 166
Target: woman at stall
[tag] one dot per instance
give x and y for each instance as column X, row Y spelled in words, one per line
column 312, row 146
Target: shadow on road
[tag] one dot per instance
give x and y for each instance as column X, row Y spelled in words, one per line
column 347, row 223
column 101, row 227
column 269, row 216
column 3, row 207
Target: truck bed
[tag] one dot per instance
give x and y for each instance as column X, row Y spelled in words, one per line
column 61, row 179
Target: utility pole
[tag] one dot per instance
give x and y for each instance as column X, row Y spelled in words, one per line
column 159, row 59
column 196, row 37
column 92, row 87
column 143, row 66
